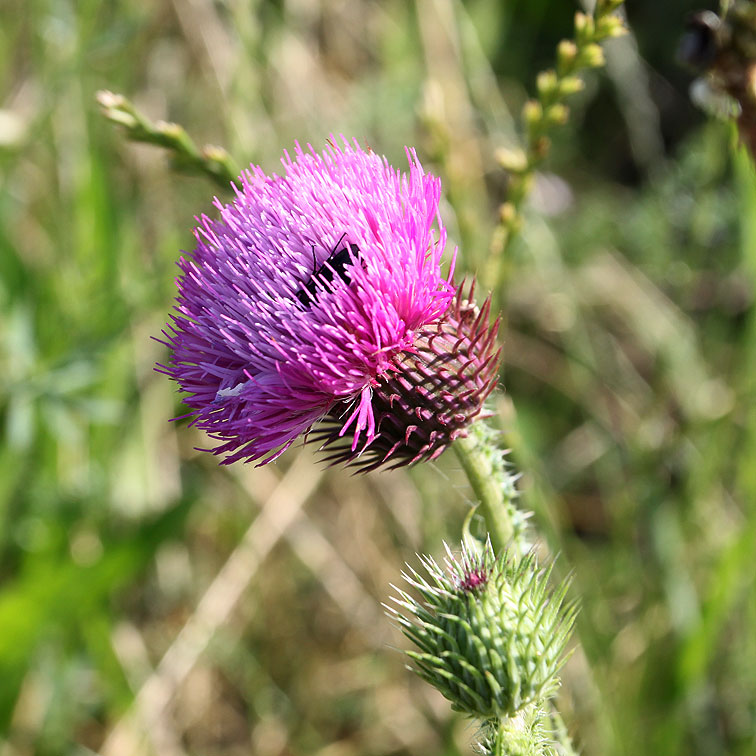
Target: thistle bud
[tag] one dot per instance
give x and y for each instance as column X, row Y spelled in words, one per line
column 490, row 635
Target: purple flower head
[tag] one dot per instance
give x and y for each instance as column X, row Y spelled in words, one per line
column 303, row 295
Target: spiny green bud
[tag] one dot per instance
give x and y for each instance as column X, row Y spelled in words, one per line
column 490, row 635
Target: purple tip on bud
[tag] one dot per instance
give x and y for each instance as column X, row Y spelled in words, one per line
column 473, row 580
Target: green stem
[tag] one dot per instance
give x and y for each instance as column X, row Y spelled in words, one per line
column 523, row 734
column 210, row 160
column 493, row 486
column 541, row 117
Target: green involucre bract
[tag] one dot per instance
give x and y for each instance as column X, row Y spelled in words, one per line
column 490, row 634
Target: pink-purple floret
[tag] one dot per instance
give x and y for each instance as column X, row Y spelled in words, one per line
column 473, row 580
column 258, row 366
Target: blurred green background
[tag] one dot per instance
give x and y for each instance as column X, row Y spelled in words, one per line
column 152, row 602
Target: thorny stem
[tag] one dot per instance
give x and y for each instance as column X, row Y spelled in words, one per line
column 526, row 733
column 494, row 488
column 544, row 114
column 487, row 491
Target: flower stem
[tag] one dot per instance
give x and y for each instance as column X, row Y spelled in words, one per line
column 544, row 114
column 494, row 488
column 522, row 734
column 210, row 160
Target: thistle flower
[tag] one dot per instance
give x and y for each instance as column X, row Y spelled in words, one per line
column 490, row 635
column 436, row 391
column 305, row 297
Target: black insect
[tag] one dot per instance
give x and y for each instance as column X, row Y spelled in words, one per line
column 335, row 265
